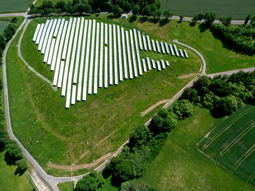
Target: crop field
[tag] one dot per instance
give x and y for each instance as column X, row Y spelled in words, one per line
column 238, row 9
column 52, row 133
column 231, row 144
column 14, row 6
column 3, row 25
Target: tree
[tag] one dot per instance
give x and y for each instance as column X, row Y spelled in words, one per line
column 146, row 10
column 136, row 9
column 201, row 16
column 253, row 21
column 209, row 18
column 139, row 136
column 14, row 20
column 247, row 19
column 167, row 13
column 195, row 19
column 13, row 150
column 223, row 107
column 158, row 13
column 181, row 18
column 22, row 165
column 89, row 183
column 226, row 20
column 220, row 87
column 203, row 81
column 156, row 124
column 2, row 42
column 9, row 31
column 183, row 109
column 61, row 5
column 117, row 11
column 79, row 7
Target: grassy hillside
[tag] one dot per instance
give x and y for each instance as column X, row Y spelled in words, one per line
column 238, row 9
column 9, row 180
column 180, row 166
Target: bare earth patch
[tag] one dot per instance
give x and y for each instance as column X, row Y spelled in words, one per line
column 189, row 75
column 153, row 106
column 81, row 166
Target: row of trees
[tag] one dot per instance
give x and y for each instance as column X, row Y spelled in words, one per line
column 208, row 17
column 223, row 95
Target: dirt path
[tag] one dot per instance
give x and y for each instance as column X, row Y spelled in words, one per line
column 189, row 75
column 81, row 166
column 153, row 106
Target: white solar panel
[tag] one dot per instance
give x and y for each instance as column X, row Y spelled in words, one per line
column 64, row 86
column 84, row 92
column 176, row 50
column 171, row 49
column 137, row 54
column 124, row 53
column 129, row 57
column 115, row 56
column 144, row 65
column 110, row 56
column 101, row 56
column 185, row 53
column 61, row 73
column 162, row 47
column 56, row 47
column 91, row 65
column 49, row 41
column 73, row 95
column 38, row 38
column 78, row 52
column 133, row 53
column 96, row 59
column 140, row 40
column 46, row 37
column 144, row 43
column 148, row 63
column 167, row 49
column 119, row 53
column 163, row 64
column 158, row 48
column 158, row 65
column 153, row 64
column 149, row 42
column 153, row 45
column 43, row 35
column 57, row 27
column 36, row 32
column 167, row 63
column 51, row 51
column 105, row 67
column 67, row 38
column 82, row 61
column 106, row 34
column 181, row 53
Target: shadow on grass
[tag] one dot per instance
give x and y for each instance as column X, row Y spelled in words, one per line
column 112, row 16
column 154, row 20
column 163, row 22
column 143, row 19
column 9, row 159
column 133, row 19
column 203, row 27
column 19, row 171
column 192, row 24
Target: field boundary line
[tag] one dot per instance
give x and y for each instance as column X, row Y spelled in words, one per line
column 247, row 154
column 205, row 146
column 236, row 139
column 250, row 178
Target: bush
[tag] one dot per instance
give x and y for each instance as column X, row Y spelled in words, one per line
column 183, row 109
column 89, row 182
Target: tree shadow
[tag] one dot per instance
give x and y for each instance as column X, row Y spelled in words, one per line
column 133, row 19
column 163, row 22
column 9, row 159
column 192, row 24
column 112, row 16
column 154, row 20
column 203, row 27
column 143, row 19
column 19, row 171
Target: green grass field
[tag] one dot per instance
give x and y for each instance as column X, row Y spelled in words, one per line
column 66, row 186
column 238, row 9
column 231, row 143
column 180, row 166
column 9, row 181
column 14, row 6
column 52, row 133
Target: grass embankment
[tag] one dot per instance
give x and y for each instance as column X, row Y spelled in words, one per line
column 218, row 55
column 52, row 133
column 238, row 10
column 9, row 181
column 231, row 143
column 66, row 186
column 180, row 166
column 14, row 6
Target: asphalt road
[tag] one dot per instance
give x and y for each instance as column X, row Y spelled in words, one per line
column 53, row 181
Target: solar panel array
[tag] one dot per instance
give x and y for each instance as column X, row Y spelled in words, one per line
column 86, row 55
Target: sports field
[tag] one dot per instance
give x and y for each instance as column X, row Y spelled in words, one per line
column 13, row 6
column 238, row 9
column 231, row 144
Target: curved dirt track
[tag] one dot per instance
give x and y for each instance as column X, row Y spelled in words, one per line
column 154, row 106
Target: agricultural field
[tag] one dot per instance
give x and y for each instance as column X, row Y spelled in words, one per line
column 231, row 144
column 14, row 6
column 3, row 25
column 180, row 166
column 9, row 180
column 238, row 9
column 52, row 133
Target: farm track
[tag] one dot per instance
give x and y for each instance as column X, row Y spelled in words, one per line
column 53, row 181
column 247, row 154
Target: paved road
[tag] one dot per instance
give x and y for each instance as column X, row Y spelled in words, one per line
column 231, row 72
column 53, row 181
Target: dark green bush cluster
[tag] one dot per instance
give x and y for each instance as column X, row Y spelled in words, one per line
column 90, row 182
column 136, row 185
column 240, row 37
column 223, row 95
column 145, row 144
